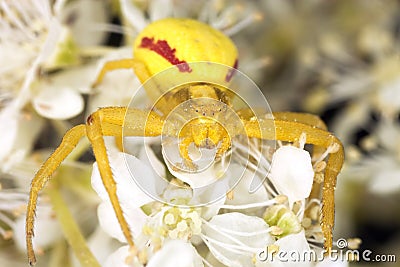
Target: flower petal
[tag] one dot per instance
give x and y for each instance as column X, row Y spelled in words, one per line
column 133, row 14
column 86, row 14
column 130, row 196
column 157, row 13
column 292, row 173
column 17, row 141
column 386, row 181
column 224, row 229
column 119, row 258
column 9, row 121
column 241, row 191
column 135, row 217
column 58, row 103
column 293, row 242
column 176, row 253
column 291, row 251
column 47, row 229
column 127, row 190
column 327, row 262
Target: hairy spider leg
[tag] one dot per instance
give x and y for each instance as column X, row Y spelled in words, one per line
column 104, row 122
column 128, row 63
column 137, row 66
column 290, row 131
column 68, row 143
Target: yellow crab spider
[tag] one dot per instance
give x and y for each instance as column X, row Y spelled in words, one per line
column 160, row 45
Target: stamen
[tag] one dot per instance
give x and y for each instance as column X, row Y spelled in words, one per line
column 243, row 24
column 313, row 201
column 306, row 222
column 333, row 148
column 15, row 21
column 319, row 177
column 205, row 261
column 143, row 257
column 319, row 166
column 6, row 220
column 314, row 213
column 302, row 140
column 279, row 142
column 112, row 28
column 281, row 199
column 354, row 243
column 156, row 242
column 258, row 63
column 300, row 212
column 276, row 230
column 7, row 234
column 229, row 194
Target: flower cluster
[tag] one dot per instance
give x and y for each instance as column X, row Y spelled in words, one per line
column 232, row 231
column 51, row 53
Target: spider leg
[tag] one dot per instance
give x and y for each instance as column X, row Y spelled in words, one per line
column 127, row 63
column 44, row 174
column 290, row 131
column 104, row 122
column 109, row 122
column 305, row 118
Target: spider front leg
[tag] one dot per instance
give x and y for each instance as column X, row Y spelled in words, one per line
column 289, row 130
column 44, row 174
column 104, row 122
column 128, row 63
column 109, row 122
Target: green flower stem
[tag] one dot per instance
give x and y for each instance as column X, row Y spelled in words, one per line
column 70, row 228
column 58, row 253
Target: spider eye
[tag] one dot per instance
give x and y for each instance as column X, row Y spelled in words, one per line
column 197, row 110
column 204, row 113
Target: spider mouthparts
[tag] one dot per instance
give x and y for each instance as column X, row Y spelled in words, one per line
column 207, row 143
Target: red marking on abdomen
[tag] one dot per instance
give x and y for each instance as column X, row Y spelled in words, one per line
column 162, row 48
column 231, row 72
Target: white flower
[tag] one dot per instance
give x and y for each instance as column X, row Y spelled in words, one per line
column 34, row 30
column 233, row 238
